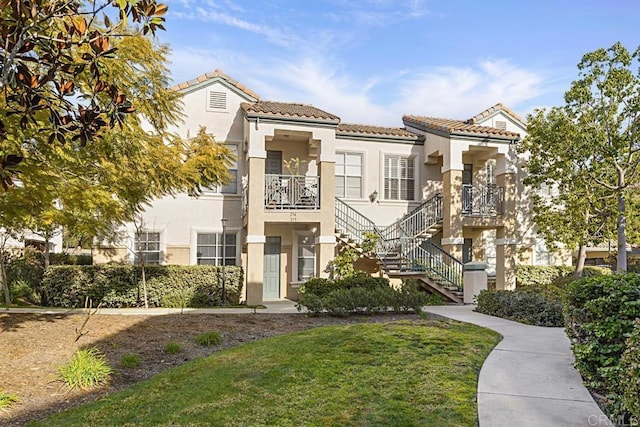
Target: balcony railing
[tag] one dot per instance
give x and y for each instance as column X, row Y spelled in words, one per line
column 291, row 192
column 482, row 201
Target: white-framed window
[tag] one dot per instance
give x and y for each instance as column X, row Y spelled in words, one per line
column 490, row 255
column 541, row 253
column 399, row 177
column 147, row 247
column 232, row 186
column 490, row 172
column 349, row 175
column 210, row 249
column 305, row 257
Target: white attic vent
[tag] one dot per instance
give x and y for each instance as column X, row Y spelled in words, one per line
column 217, row 101
column 501, row 125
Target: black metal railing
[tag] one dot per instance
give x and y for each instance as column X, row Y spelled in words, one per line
column 482, row 201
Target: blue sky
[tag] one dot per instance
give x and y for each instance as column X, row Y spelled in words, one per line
column 371, row 61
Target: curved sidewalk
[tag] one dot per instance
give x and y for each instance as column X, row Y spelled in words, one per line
column 529, row 378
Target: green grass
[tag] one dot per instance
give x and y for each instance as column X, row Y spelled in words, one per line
column 88, row 368
column 7, row 399
column 172, row 348
column 130, row 361
column 421, row 373
column 209, row 338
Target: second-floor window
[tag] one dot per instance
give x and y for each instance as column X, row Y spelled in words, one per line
column 211, row 250
column 232, row 186
column 147, row 247
column 349, row 175
column 399, row 178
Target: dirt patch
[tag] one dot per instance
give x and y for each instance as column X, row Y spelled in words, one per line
column 33, row 346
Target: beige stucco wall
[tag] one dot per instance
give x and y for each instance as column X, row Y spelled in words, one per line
column 110, row 255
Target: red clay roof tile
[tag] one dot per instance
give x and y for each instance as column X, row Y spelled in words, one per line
column 285, row 109
column 216, row 74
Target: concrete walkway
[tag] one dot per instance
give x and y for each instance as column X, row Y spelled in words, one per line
column 529, row 378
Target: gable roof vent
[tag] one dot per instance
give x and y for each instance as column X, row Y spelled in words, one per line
column 217, row 100
column 501, row 125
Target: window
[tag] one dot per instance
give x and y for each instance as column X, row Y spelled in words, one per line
column 211, row 251
column 399, row 177
column 147, row 247
column 490, row 251
column 306, row 257
column 232, row 186
column 541, row 253
column 491, row 173
column 349, row 175
column 217, row 101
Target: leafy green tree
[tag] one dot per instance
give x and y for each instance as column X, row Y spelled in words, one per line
column 46, row 46
column 588, row 149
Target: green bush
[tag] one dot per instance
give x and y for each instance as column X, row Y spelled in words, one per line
column 209, row 338
column 121, row 286
column 88, row 368
column 537, row 275
column 523, row 307
column 130, row 360
column 25, row 272
column 630, row 380
column 172, row 348
column 360, row 294
column 599, row 314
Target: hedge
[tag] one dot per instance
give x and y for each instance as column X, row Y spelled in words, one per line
column 523, row 307
column 600, row 313
column 630, row 364
column 362, row 294
column 120, row 286
column 527, row 275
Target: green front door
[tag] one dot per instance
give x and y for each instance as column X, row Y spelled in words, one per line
column 271, row 269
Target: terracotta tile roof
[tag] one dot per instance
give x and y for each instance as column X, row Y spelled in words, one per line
column 285, row 109
column 216, row 74
column 489, row 111
column 457, row 127
column 350, row 128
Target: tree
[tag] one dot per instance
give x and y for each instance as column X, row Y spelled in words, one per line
column 46, row 46
column 588, row 148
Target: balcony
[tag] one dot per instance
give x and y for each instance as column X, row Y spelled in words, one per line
column 288, row 192
column 482, row 201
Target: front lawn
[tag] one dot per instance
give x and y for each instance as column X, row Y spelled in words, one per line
column 398, row 373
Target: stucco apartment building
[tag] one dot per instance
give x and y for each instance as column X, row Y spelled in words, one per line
column 437, row 193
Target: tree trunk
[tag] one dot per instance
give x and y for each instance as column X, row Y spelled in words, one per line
column 144, row 284
column 3, row 280
column 46, row 252
column 621, row 225
column 582, row 255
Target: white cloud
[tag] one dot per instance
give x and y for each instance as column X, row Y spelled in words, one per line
column 377, row 99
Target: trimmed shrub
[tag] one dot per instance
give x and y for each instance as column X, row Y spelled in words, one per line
column 367, row 295
column 531, row 275
column 523, row 307
column 599, row 314
column 630, row 381
column 88, row 368
column 120, row 285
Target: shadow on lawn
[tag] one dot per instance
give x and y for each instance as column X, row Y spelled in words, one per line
column 146, row 337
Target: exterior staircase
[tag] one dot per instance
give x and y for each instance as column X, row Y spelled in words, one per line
column 404, row 249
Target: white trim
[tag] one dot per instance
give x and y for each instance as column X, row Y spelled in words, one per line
column 193, row 241
column 417, row 185
column 363, row 175
column 320, row 240
column 255, row 238
column 452, row 241
column 504, row 241
column 256, row 153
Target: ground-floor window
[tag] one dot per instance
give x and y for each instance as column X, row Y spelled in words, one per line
column 490, row 251
column 147, row 247
column 541, row 253
column 210, row 249
column 306, row 257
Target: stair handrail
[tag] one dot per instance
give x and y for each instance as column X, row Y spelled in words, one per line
column 425, row 255
column 416, row 222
